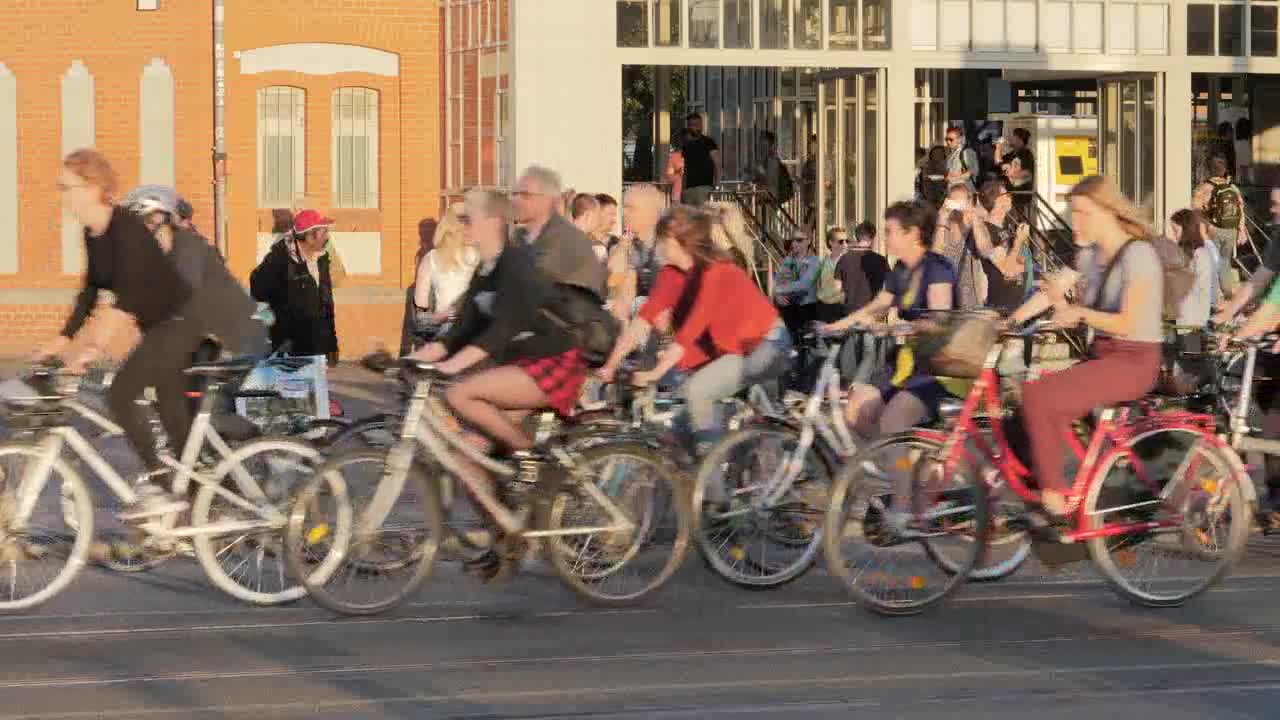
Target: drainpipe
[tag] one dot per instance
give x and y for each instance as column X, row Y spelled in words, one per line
column 219, row 131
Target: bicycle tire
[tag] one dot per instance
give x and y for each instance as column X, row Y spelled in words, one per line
column 80, row 522
column 710, row 551
column 413, row 567
column 554, row 501
column 989, row 571
column 269, row 541
column 1102, row 550
column 854, row 478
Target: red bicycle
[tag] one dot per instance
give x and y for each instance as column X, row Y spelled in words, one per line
column 1155, row 491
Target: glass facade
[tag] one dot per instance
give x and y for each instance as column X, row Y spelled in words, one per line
column 781, row 24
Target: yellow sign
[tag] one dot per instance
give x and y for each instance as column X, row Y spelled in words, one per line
column 1075, row 157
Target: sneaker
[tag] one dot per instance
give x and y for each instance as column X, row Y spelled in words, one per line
column 153, row 501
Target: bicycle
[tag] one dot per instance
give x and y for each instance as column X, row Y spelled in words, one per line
column 540, row 496
column 952, row 484
column 228, row 502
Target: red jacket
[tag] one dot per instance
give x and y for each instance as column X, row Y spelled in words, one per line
column 730, row 312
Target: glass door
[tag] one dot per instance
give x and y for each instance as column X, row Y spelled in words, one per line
column 848, row 148
column 1131, row 137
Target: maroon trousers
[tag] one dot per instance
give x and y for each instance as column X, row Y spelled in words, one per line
column 1118, row 371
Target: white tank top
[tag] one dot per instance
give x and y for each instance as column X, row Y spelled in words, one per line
column 448, row 286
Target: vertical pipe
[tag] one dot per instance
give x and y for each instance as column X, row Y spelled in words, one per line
column 219, row 131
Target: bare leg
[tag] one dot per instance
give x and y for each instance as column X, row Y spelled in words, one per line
column 484, row 399
column 863, row 410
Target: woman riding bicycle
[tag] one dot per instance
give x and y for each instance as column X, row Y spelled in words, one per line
column 1121, row 304
column 745, row 341
column 124, row 258
column 502, row 323
column 922, row 280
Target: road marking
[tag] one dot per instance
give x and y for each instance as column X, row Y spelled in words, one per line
column 581, row 693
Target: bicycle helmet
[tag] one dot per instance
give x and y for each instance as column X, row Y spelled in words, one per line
column 147, row 199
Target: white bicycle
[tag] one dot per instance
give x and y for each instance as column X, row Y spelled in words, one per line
column 47, row 513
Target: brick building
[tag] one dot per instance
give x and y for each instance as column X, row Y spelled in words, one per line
column 329, row 104
column 476, row 65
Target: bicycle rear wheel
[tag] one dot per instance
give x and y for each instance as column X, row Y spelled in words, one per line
column 756, row 546
column 890, row 570
column 1182, row 484
column 40, row 558
column 615, row 567
column 374, row 571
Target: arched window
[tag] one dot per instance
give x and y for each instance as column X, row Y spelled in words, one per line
column 282, row 115
column 355, row 147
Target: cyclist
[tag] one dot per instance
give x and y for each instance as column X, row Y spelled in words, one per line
column 529, row 360
column 922, row 280
column 1121, row 305
column 745, row 341
column 150, row 293
column 219, row 305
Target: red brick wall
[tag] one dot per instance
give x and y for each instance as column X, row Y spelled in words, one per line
column 115, row 42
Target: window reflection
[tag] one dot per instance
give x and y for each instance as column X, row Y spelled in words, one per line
column 842, row 25
column 666, row 23
column 808, row 24
column 704, row 19
column 737, row 23
column 775, row 31
column 633, row 29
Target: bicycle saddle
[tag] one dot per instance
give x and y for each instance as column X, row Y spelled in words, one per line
column 234, row 367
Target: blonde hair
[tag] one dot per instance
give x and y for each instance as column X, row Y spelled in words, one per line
column 94, row 168
column 1103, row 192
column 450, row 250
column 729, row 230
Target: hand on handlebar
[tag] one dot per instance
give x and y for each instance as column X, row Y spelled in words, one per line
column 644, row 378
column 431, row 352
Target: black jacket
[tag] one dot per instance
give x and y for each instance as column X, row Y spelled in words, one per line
column 219, row 304
column 302, row 305
column 503, row 311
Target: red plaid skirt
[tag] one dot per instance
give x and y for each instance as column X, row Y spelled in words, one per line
column 560, row 377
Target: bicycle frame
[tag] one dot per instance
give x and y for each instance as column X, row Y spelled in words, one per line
column 429, row 425
column 55, row 440
column 1114, row 434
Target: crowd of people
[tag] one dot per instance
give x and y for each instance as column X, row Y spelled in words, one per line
column 502, row 296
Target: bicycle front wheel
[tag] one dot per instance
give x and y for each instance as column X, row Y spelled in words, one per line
column 355, row 571
column 1177, row 515
column 621, row 522
column 240, row 549
column 890, row 568
column 41, row 556
column 764, row 543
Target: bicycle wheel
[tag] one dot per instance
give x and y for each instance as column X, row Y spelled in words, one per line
column 248, row 562
column 370, row 433
column 1190, row 532
column 1007, row 548
column 877, row 564
column 40, row 558
column 761, row 544
column 374, row 571
column 615, row 567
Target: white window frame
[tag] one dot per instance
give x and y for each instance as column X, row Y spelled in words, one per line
column 366, row 127
column 298, row 127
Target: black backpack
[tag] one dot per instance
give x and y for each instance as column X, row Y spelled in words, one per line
column 583, row 315
column 786, row 185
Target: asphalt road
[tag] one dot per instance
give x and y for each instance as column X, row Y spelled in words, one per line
column 167, row 645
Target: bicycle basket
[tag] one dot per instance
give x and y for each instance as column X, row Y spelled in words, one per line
column 958, row 345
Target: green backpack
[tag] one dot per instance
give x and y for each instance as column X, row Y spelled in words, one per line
column 1226, row 207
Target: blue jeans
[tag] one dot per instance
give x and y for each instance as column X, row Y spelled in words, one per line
column 727, row 375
